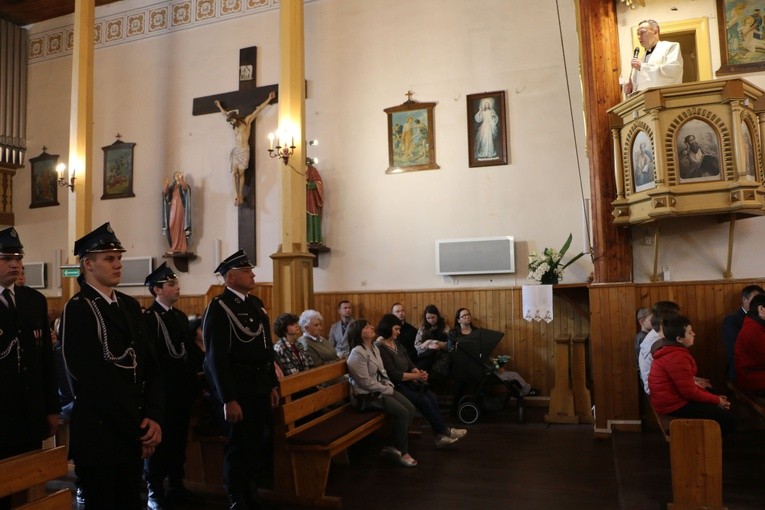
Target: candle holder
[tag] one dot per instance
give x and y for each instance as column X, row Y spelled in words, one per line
column 282, row 152
column 62, row 181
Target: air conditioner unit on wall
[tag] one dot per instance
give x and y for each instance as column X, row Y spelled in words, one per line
column 37, row 275
column 480, row 255
column 135, row 270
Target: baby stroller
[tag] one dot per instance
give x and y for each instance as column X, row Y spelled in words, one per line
column 471, row 366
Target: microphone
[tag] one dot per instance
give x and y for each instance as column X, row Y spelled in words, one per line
column 634, row 55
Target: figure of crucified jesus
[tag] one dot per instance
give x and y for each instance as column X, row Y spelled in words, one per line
column 240, row 154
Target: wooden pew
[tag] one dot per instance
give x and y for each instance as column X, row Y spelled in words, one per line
column 663, row 420
column 310, row 429
column 749, row 399
column 28, row 470
column 696, row 460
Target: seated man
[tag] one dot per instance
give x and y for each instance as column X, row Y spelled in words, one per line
column 750, row 348
column 408, row 332
column 337, row 336
column 732, row 325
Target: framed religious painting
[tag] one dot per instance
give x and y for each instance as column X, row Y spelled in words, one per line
column 487, row 134
column 643, row 163
column 697, row 147
column 118, row 170
column 411, row 137
column 44, row 180
column 749, row 154
column 742, row 41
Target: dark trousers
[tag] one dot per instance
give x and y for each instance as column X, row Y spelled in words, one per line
column 248, row 453
column 708, row 412
column 113, row 486
column 170, row 455
column 427, row 403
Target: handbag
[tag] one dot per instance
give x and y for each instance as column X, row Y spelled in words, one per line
column 366, row 402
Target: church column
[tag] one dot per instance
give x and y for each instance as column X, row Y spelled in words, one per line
column 293, row 265
column 615, row 391
column 599, row 46
column 80, row 201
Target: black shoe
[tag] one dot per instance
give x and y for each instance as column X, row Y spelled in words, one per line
column 183, row 495
column 533, row 392
column 79, row 496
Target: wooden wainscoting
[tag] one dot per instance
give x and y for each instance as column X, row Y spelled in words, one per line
column 531, row 344
column 612, row 337
column 188, row 304
column 604, row 311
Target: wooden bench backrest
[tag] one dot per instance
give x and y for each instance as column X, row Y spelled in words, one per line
column 27, row 470
column 303, row 380
column 294, row 409
column 696, row 457
column 754, row 403
column 664, row 421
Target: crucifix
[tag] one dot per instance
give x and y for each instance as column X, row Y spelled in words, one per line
column 245, row 100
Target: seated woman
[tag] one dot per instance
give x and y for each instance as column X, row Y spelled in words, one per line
column 672, row 379
column 291, row 356
column 464, row 330
column 411, row 381
column 432, row 337
column 749, row 349
column 319, row 348
column 367, row 375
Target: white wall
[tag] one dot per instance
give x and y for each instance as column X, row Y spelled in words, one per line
column 693, row 248
column 361, row 57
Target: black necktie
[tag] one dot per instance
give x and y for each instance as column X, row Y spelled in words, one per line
column 9, row 299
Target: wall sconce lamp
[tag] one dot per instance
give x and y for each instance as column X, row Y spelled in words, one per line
column 62, row 181
column 281, row 150
column 634, row 3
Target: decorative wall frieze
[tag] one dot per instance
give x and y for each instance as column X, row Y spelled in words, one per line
column 153, row 20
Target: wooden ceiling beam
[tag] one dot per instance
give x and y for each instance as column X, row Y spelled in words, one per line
column 28, row 12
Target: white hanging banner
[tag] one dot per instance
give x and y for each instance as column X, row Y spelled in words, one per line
column 537, row 302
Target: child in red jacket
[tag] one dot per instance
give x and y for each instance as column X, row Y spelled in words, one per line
column 672, row 379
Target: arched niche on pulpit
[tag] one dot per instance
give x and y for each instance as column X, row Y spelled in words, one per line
column 689, row 150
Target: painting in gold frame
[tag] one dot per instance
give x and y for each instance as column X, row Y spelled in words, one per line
column 411, row 137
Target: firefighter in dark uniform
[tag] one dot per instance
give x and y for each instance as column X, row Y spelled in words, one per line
column 168, row 330
column 28, row 393
column 115, row 379
column 240, row 368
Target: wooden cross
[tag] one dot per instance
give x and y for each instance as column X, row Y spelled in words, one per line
column 409, row 95
column 246, row 99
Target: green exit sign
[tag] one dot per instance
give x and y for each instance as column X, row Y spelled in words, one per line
column 70, row 272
